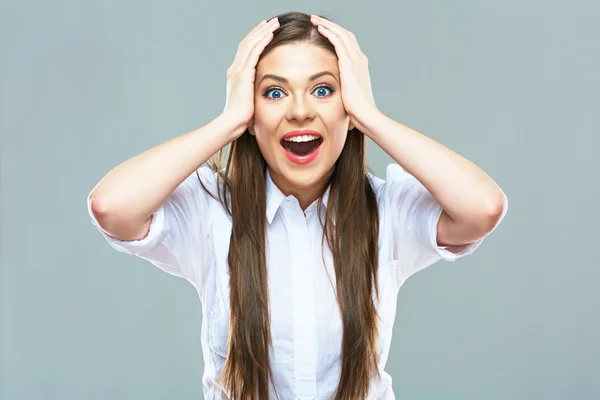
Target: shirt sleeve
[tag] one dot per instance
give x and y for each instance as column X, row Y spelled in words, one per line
column 178, row 231
column 412, row 215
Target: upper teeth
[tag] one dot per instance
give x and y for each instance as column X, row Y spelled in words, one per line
column 303, row 138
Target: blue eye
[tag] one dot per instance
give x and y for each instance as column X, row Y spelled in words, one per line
column 274, row 90
column 321, row 91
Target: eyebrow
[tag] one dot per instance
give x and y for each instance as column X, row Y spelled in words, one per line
column 284, row 80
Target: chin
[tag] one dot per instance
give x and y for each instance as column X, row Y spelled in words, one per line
column 304, row 176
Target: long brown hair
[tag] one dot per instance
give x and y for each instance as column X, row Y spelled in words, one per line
column 351, row 228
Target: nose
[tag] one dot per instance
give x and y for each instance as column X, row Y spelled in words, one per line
column 300, row 109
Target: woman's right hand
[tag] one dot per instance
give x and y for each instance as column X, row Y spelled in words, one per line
column 242, row 73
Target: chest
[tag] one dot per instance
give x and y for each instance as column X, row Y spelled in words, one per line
column 306, row 324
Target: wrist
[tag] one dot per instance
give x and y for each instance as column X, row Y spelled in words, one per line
column 233, row 123
column 368, row 120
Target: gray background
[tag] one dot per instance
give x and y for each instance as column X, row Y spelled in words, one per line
column 511, row 85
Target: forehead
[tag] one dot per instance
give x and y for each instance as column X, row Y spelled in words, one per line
column 297, row 61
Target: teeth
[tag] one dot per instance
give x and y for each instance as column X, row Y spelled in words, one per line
column 304, row 138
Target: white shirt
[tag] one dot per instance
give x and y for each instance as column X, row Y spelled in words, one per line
column 189, row 237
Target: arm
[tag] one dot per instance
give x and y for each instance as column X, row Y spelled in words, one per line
column 473, row 203
column 125, row 199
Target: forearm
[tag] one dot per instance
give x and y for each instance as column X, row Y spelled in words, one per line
column 136, row 188
column 463, row 189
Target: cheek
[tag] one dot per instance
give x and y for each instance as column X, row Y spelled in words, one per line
column 337, row 122
column 265, row 139
column 266, row 119
column 335, row 115
column 337, row 144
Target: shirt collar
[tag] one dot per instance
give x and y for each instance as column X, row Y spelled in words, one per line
column 275, row 197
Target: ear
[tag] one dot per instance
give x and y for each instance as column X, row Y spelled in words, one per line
column 351, row 126
column 251, row 127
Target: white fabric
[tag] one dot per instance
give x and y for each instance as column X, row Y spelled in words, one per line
column 189, row 237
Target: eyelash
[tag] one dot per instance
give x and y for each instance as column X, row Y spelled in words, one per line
column 266, row 92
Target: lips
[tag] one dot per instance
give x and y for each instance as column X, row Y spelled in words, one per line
column 300, row 133
column 301, row 146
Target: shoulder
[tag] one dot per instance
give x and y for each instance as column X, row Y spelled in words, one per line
column 395, row 179
column 201, row 177
column 204, row 174
column 207, row 186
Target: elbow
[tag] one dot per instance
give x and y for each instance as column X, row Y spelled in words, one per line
column 100, row 214
column 111, row 223
column 496, row 212
column 108, row 221
column 96, row 205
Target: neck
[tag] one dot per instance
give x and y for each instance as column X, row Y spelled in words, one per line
column 305, row 195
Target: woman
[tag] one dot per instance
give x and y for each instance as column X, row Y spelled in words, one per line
column 297, row 252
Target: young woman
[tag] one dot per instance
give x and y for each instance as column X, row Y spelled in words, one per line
column 296, row 250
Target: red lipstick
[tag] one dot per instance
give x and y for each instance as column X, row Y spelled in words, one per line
column 296, row 158
column 301, row 133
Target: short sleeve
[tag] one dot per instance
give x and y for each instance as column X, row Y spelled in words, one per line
column 176, row 240
column 411, row 215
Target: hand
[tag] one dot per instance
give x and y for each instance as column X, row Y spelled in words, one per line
column 239, row 102
column 357, row 94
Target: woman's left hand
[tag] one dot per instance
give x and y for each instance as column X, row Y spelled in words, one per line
column 357, row 94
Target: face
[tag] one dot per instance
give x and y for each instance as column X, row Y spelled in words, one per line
column 299, row 104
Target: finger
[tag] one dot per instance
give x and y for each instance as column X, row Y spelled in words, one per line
column 257, row 51
column 347, row 37
column 257, row 27
column 248, row 44
column 254, row 30
column 340, row 47
column 261, row 23
column 260, row 41
column 246, row 48
column 262, row 28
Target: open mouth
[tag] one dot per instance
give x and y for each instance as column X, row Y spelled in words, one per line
column 301, row 145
